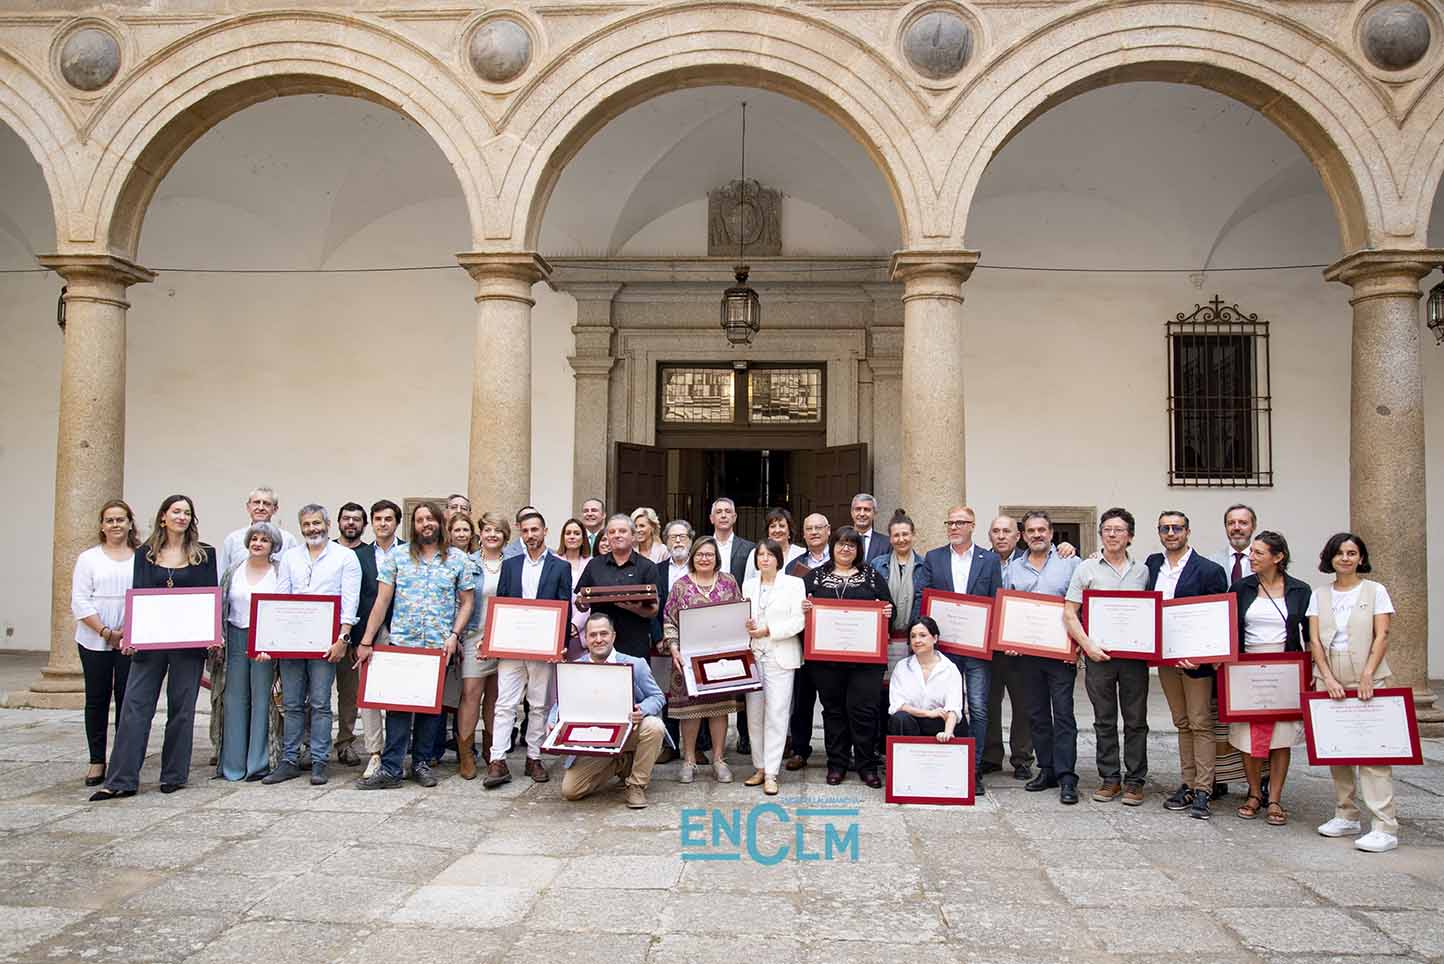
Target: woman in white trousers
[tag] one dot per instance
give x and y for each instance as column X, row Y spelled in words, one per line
column 776, row 631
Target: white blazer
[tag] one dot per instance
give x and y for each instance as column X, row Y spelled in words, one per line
column 784, row 618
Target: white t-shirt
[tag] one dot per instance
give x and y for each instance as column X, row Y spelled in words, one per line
column 1343, row 606
column 239, row 598
column 1264, row 628
column 98, row 588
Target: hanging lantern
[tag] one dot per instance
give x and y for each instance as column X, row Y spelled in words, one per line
column 1434, row 312
column 741, row 308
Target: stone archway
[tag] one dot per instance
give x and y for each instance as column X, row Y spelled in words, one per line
column 37, row 117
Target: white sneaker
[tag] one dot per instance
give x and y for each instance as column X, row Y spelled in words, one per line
column 1339, row 827
column 688, row 772
column 372, row 766
column 724, row 772
column 1376, row 842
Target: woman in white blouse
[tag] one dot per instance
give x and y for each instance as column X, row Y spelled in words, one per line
column 925, row 696
column 246, row 705
column 776, row 631
column 97, row 600
column 1349, row 629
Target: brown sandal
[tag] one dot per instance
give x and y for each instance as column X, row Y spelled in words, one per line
column 1251, row 806
column 1277, row 816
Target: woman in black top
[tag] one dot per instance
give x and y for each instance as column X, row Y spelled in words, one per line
column 849, row 691
column 172, row 558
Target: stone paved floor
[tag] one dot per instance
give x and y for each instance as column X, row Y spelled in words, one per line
column 246, row 873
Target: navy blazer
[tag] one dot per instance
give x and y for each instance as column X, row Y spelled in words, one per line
column 556, row 579
column 878, row 545
column 1201, row 576
column 741, row 549
column 984, row 579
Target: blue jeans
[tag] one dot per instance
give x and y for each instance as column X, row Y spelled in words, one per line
column 977, row 679
column 1049, row 685
column 306, row 681
column 404, row 730
column 245, row 710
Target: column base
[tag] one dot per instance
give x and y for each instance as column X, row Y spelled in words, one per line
column 54, row 690
column 1428, row 713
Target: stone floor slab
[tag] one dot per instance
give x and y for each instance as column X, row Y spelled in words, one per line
column 472, row 908
column 1304, row 930
column 1420, row 931
column 26, row 926
column 127, row 938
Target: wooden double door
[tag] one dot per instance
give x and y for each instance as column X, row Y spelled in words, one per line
column 682, row 483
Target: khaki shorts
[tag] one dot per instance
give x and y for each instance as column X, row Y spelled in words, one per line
column 473, row 667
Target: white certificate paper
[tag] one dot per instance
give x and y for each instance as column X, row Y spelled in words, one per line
column 1197, row 631
column 930, row 770
column 402, row 679
column 1036, row 623
column 1123, row 624
column 590, row 734
column 295, row 626
column 845, row 630
column 725, row 669
column 524, row 629
column 1263, row 686
column 1352, row 727
column 158, row 620
column 960, row 623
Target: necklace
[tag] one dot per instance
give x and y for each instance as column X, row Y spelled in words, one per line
column 169, row 577
column 490, row 567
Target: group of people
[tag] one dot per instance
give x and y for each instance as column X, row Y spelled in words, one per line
column 433, row 591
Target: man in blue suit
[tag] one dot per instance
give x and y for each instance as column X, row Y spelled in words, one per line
column 864, row 514
column 535, row 574
column 963, row 567
column 634, row 764
column 1179, row 572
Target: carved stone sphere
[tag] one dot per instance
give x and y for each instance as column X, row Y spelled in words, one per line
column 500, row 50
column 938, row 44
column 1396, row 35
column 89, row 59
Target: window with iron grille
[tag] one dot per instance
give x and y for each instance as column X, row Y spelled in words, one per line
column 1220, row 409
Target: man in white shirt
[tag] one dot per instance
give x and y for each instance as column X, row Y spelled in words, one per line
column 677, row 537
column 864, row 512
column 594, row 518
column 318, row 568
column 261, row 505
column 1239, row 523
column 816, row 531
column 385, row 519
column 732, row 549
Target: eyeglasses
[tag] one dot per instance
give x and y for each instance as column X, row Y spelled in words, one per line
column 1167, row 529
column 958, row 523
column 1114, row 531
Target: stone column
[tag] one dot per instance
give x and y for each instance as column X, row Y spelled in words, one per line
column 1387, row 503
column 90, row 446
column 933, row 450
column 884, row 358
column 499, row 474
column 591, row 363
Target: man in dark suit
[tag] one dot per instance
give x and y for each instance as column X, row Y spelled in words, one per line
column 1178, row 572
column 864, row 513
column 535, row 574
column 963, row 567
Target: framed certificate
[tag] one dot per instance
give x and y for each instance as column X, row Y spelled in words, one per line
column 404, row 678
column 594, row 710
column 846, row 630
column 922, row 770
column 1380, row 731
column 173, row 618
column 291, row 626
column 1031, row 623
column 1125, row 623
column 966, row 622
column 1201, row 629
column 1262, row 687
column 533, row 629
column 716, row 650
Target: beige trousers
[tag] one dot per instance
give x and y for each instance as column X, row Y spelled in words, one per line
column 1374, row 785
column 1190, row 702
column 634, row 765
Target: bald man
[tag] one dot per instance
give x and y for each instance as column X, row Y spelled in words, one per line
column 816, row 530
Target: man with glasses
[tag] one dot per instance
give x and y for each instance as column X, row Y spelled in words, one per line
column 1114, row 685
column 1006, row 673
column 962, row 567
column 816, row 532
column 1178, row 572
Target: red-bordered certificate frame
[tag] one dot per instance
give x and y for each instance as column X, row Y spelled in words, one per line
column 489, row 648
column 1001, row 643
column 1297, row 662
column 420, row 652
column 894, row 794
column 617, row 731
column 1220, row 599
column 1414, row 757
column 212, row 591
column 1152, row 596
column 319, row 600
column 878, row 654
column 933, row 597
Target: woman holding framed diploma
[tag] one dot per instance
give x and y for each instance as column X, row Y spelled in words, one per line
column 925, row 697
column 776, row 631
column 1271, row 607
column 702, row 584
column 849, row 691
column 173, row 557
column 246, row 702
column 1349, row 627
column 97, row 601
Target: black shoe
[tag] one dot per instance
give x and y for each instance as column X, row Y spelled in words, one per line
column 1068, row 794
column 1199, row 810
column 101, row 795
column 871, row 778
column 834, row 777
column 95, row 781
column 1022, row 772
column 380, row 780
column 258, row 777
column 1043, row 781
column 1180, row 799
column 1220, row 790
column 318, row 775
column 978, row 789
column 286, row 771
column 171, row 787
column 422, row 774
column 990, row 767
column 1264, row 789
column 744, row 746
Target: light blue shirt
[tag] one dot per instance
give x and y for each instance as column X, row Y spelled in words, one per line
column 1051, row 580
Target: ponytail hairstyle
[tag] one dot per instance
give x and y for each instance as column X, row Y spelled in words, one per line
column 900, row 517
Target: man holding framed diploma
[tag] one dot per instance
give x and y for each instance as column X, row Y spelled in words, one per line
column 1199, row 628
column 1115, row 684
column 326, row 572
column 526, row 628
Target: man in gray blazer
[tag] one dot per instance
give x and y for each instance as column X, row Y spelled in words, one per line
column 586, row 775
column 1239, row 523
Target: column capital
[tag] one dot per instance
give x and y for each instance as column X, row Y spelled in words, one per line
column 595, row 366
column 956, row 262
column 527, row 266
column 1394, row 272
column 97, row 267
column 603, row 291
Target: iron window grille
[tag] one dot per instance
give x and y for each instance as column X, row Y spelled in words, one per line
column 1220, row 409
